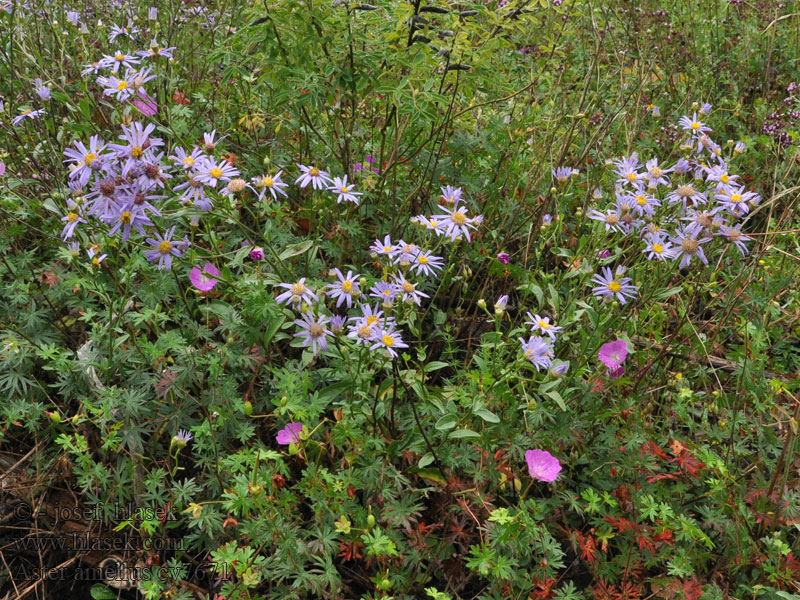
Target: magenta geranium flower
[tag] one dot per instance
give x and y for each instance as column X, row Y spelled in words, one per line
column 613, row 354
column 146, row 105
column 503, row 257
column 200, row 278
column 289, row 434
column 542, row 465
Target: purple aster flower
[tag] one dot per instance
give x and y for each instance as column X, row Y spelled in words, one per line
column 187, row 161
column 430, row 223
column 425, row 263
column 139, row 145
column 297, row 294
column 389, row 340
column 539, row 351
column 408, row 291
column 657, row 247
column 611, row 285
column 501, row 304
column 735, row 236
column 85, row 161
column 272, row 183
column 656, row 175
column 611, row 218
column 384, row 291
column 257, row 254
column 95, row 256
column 687, row 246
column 543, row 324
column 345, row 289
column 314, row 331
column 559, row 369
column 145, row 104
column 405, row 253
column 563, row 174
column 41, row 90
column 451, row 196
column 613, row 354
column 311, row 174
column 289, row 434
column 118, row 59
column 117, row 31
column 210, row 172
column 739, row 201
column 210, row 142
column 456, row 222
column 705, row 108
column 336, row 323
column 542, row 465
column 72, row 219
column 203, row 279
column 132, row 216
column 503, row 257
column 344, row 191
column 627, row 168
column 26, row 114
column 166, row 248
column 739, row 147
column 693, row 125
column 685, row 194
column 385, row 247
column 181, row 438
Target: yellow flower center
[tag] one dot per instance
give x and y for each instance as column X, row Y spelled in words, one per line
column 371, row 320
column 298, row 289
column 631, row 177
column 313, row 171
column 267, row 181
column 388, row 341
column 408, row 287
column 188, row 161
column 343, row 189
column 543, row 324
column 89, row 158
column 72, row 217
column 387, row 248
column 459, row 218
column 347, row 286
column 657, row 172
column 614, row 286
column 136, row 152
column 658, row 248
column 27, row 111
column 612, row 219
column 96, row 261
column 164, row 247
column 695, row 125
column 122, row 85
column 216, row 173
column 433, row 222
column 119, row 57
column 423, row 260
column 641, row 200
column 125, row 217
column 724, row 178
column 736, row 197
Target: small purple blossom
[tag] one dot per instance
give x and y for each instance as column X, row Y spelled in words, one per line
column 542, row 465
column 289, row 434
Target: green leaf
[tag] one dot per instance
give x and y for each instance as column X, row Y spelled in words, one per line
column 554, row 395
column 446, row 422
column 425, row 460
column 668, row 292
column 101, row 592
column 296, row 249
column 463, row 433
column 487, row 415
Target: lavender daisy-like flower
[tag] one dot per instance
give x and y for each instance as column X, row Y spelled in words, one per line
column 693, row 125
column 385, row 247
column 41, row 89
column 738, row 202
column 289, row 434
column 182, row 438
column 408, row 291
column 610, row 285
column 456, row 222
column 688, row 246
column 383, row 290
column 686, row 194
column 705, row 108
column 451, row 196
column 139, row 145
column 336, row 324
column 405, row 253
column 187, row 161
column 657, row 247
column 85, row 160
column 117, row 31
column 388, row 339
column 118, row 59
column 656, row 175
column 120, row 88
column 211, row 172
column 611, row 218
column 343, row 191
column 203, row 279
column 72, row 219
column 270, row 183
column 735, row 236
column 95, row 256
column 627, row 168
column 544, row 325
column 425, row 263
column 345, row 289
column 130, row 217
column 314, row 331
column 538, row 351
column 296, row 294
column 311, row 174
column 542, row 465
column 501, row 304
column 26, row 114
column 562, row 174
column 166, row 248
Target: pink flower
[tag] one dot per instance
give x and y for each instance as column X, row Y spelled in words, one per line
column 604, row 253
column 2, row 168
column 503, row 257
column 613, row 354
column 542, row 465
column 614, row 373
column 257, row 254
column 200, row 279
column 289, row 434
column 146, row 105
